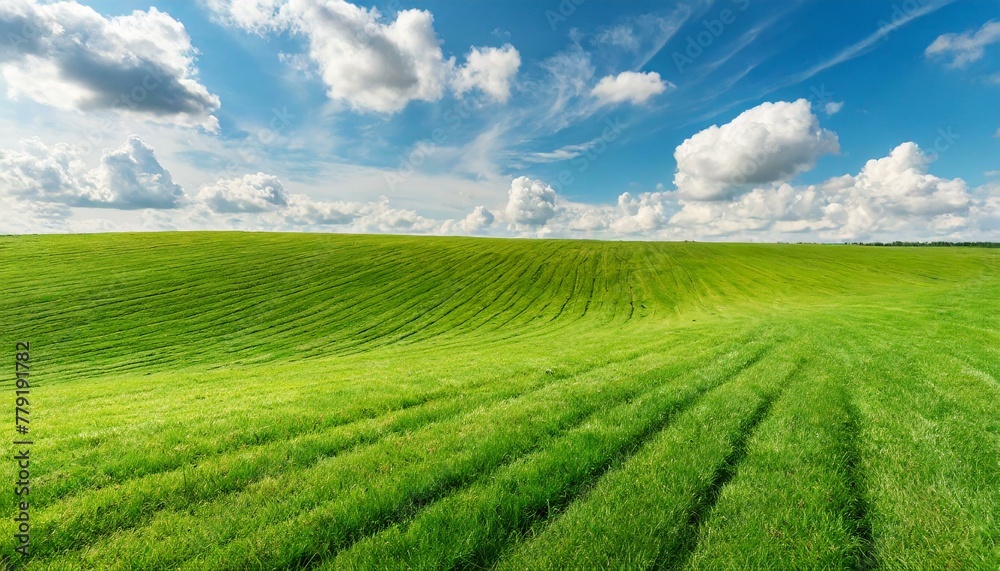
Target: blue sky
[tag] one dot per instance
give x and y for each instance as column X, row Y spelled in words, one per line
column 332, row 116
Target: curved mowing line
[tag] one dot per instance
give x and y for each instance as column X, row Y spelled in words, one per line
column 512, row 293
column 90, row 534
column 466, row 325
column 528, row 304
column 429, row 396
column 484, row 556
column 406, row 313
column 308, row 560
column 428, row 399
column 512, row 303
column 413, row 319
column 593, row 284
column 190, row 288
column 569, row 294
column 500, row 283
column 420, row 505
column 364, row 309
column 677, row 555
column 973, row 370
column 207, row 325
column 315, row 516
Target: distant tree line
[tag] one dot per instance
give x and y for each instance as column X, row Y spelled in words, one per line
column 931, row 244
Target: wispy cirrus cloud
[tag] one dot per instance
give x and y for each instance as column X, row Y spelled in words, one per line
column 966, row 47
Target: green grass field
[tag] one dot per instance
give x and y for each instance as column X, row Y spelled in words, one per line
column 244, row 401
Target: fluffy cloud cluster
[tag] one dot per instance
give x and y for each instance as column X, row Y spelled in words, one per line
column 889, row 198
column 641, row 214
column 362, row 217
column 260, row 201
column 41, row 185
column 68, row 56
column 893, row 197
column 366, row 63
column 900, row 182
column 253, row 193
column 964, row 48
column 129, row 177
column 478, row 220
column 489, row 69
column 630, row 86
column 769, row 143
column 373, row 64
column 529, row 203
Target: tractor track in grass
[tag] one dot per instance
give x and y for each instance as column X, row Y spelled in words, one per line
column 318, row 519
column 361, row 339
column 678, row 554
column 206, row 324
column 466, row 298
column 424, row 399
column 339, row 450
column 361, row 347
column 336, row 449
column 515, row 299
column 859, row 508
column 575, row 488
column 579, row 489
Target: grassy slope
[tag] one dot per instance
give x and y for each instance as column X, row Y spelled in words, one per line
column 245, row 400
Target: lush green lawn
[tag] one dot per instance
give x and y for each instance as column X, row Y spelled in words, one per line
column 234, row 401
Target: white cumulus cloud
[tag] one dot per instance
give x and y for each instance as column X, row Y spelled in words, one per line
column 772, row 142
column 68, row 56
column 252, row 193
column 489, row 70
column 133, row 178
column 630, row 86
column 370, row 62
column 901, row 183
column 642, row 213
column 129, row 177
column 478, row 220
column 529, row 202
column 893, row 197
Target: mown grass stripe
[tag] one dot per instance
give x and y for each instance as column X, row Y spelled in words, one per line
column 331, row 533
column 470, row 529
column 504, row 431
column 799, row 464
column 638, row 514
column 144, row 493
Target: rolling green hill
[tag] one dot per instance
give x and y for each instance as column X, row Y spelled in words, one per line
column 236, row 400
